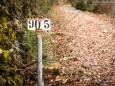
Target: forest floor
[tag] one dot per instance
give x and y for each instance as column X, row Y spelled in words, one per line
column 86, row 46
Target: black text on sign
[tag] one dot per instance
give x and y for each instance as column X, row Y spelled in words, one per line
column 43, row 24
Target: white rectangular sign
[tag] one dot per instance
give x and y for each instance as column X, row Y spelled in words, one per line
column 43, row 24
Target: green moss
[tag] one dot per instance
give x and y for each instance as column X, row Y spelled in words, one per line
column 1, row 26
column 6, row 55
column 3, row 23
column 19, row 80
column 7, row 35
column 11, row 82
column 11, row 34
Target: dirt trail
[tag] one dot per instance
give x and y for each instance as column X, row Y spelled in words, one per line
column 91, row 40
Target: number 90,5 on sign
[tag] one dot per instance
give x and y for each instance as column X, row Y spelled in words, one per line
column 43, row 24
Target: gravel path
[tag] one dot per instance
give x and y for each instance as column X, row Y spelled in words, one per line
column 91, row 40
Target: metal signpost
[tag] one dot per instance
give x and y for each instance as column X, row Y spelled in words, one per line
column 39, row 25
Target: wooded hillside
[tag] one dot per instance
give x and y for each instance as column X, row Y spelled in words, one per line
column 79, row 50
column 15, row 52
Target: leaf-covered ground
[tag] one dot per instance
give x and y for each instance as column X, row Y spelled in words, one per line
column 85, row 47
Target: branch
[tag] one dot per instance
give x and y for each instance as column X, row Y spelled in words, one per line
column 30, row 64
